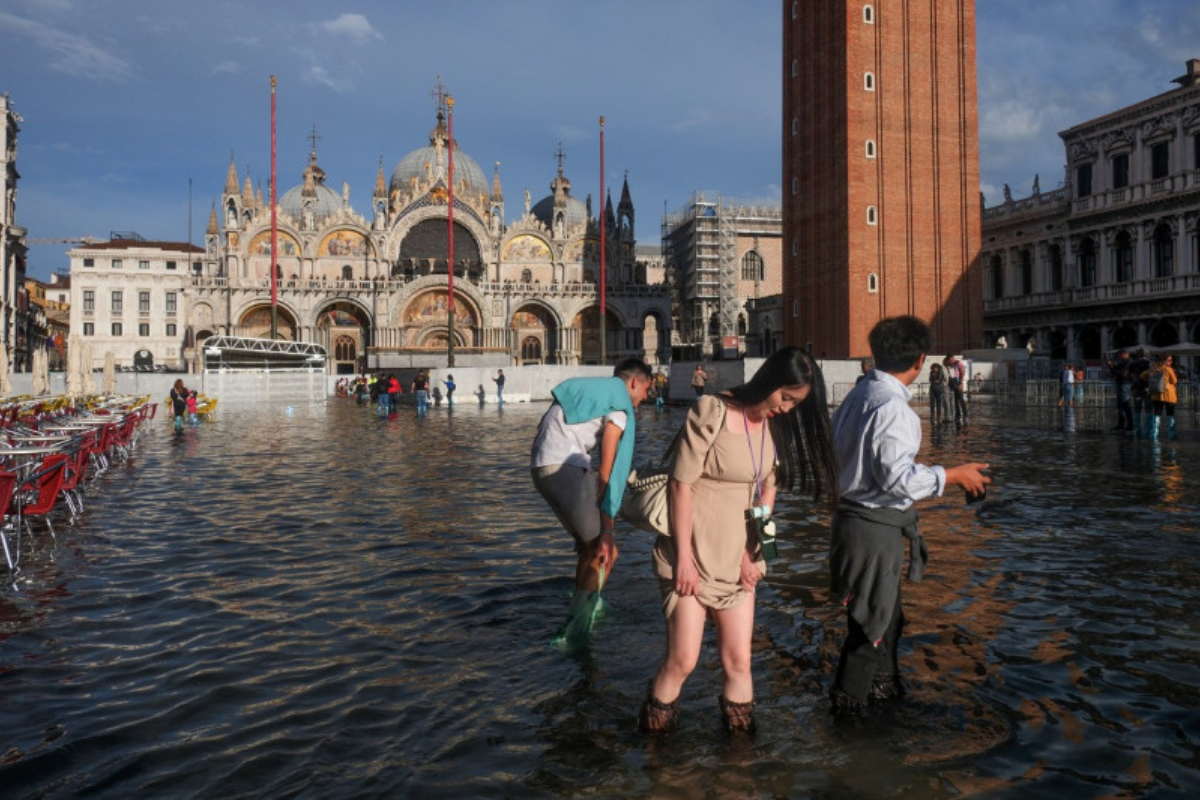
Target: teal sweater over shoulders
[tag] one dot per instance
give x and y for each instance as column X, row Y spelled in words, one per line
column 584, row 399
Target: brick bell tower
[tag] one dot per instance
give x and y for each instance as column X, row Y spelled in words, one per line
column 881, row 203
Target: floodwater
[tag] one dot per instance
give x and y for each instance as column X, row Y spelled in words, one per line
column 312, row 602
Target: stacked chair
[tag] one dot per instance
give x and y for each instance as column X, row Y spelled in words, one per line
column 48, row 450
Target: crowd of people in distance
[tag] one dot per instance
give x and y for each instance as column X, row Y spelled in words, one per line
column 1146, row 392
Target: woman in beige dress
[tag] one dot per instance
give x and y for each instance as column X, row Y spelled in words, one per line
column 737, row 448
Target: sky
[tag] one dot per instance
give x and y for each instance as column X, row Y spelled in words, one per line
column 131, row 109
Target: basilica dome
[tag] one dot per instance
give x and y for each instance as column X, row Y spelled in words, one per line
column 576, row 211
column 425, row 165
column 314, row 194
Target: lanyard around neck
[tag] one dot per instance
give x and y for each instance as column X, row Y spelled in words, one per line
column 759, row 466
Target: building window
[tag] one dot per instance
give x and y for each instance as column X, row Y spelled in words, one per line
column 795, row 9
column 869, row 14
column 795, row 126
column 1083, row 180
column 1120, row 171
column 118, row 301
column 1056, row 268
column 996, row 273
column 117, row 330
column 1160, row 156
column 143, row 329
column 1087, row 263
column 871, row 215
column 1195, row 152
column 795, row 247
column 196, row 267
column 795, row 67
column 872, row 283
column 752, row 267
column 1124, row 258
column 89, row 262
column 526, row 276
column 143, row 265
column 870, row 148
column 795, row 308
column 89, row 329
column 89, row 301
column 1164, row 252
column 170, row 302
column 171, row 329
column 1026, row 272
column 144, row 302
column 795, row 185
column 170, row 265
column 869, row 81
column 116, row 263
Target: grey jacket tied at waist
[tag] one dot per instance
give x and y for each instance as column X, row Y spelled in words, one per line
column 866, row 553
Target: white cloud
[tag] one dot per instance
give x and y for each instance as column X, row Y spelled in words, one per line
column 354, row 26
column 70, row 54
column 697, row 117
column 319, row 76
column 226, row 68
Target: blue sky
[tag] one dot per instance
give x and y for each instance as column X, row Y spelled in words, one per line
column 125, row 101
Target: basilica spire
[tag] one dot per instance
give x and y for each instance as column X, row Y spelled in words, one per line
column 231, row 181
column 212, row 220
column 380, row 185
column 497, row 195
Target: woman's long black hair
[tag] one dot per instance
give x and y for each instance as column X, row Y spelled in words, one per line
column 803, row 437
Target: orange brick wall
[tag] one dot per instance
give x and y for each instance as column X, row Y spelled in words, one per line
column 923, row 181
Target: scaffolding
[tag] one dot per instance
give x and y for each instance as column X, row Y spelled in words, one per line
column 699, row 245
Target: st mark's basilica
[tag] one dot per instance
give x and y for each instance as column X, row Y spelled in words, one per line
column 374, row 288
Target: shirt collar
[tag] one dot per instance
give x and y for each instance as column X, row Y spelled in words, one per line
column 892, row 383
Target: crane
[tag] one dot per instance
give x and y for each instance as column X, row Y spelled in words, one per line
column 65, row 240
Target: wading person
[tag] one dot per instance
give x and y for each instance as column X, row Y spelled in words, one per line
column 1161, row 381
column 179, row 406
column 1122, row 382
column 876, row 437
column 586, row 413
column 736, row 449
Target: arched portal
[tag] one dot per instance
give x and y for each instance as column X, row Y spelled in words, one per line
column 1089, row 343
column 344, row 330
column 426, row 320
column 256, row 323
column 534, row 323
column 587, row 323
column 1164, row 334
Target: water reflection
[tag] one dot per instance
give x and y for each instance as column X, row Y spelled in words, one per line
column 323, row 603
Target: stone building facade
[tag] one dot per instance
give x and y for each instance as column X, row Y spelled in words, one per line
column 14, row 299
column 1112, row 259
column 374, row 287
column 722, row 257
column 128, row 298
column 881, row 171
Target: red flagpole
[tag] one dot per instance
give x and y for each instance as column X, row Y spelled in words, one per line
column 603, row 246
column 450, row 249
column 274, row 224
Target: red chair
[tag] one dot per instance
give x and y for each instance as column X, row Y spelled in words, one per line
column 8, row 484
column 43, row 487
column 77, row 465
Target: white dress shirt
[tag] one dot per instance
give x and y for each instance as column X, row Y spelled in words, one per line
column 876, row 437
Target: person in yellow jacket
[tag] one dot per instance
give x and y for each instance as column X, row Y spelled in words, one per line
column 1162, row 380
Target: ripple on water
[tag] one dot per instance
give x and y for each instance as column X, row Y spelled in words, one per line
column 325, row 604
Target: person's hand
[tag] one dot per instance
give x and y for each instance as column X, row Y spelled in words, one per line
column 750, row 574
column 687, row 577
column 604, row 550
column 969, row 476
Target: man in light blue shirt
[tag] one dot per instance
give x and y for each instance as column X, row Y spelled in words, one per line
column 876, row 437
